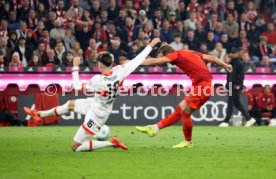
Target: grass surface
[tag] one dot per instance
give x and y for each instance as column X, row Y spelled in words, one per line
column 44, row 152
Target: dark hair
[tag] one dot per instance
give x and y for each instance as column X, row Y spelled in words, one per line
column 165, row 50
column 13, row 33
column 157, row 9
column 41, row 42
column 69, row 52
column 135, row 43
column 31, row 63
column 22, row 38
column 59, row 41
column 176, row 35
column 105, row 58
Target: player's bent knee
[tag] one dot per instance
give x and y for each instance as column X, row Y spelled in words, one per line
column 188, row 110
column 74, row 146
column 71, row 105
column 183, row 104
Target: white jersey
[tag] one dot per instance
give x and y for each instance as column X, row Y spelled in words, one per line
column 105, row 87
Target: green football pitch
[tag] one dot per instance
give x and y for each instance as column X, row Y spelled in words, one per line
column 44, row 152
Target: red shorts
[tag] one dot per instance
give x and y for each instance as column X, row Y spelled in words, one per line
column 199, row 94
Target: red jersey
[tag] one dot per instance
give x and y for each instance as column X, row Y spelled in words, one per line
column 250, row 98
column 192, row 6
column 264, row 100
column 192, row 64
column 271, row 37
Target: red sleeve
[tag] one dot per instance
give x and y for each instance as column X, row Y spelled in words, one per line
column 272, row 100
column 104, row 38
column 83, row 86
column 86, row 54
column 260, row 102
column 250, row 99
column 172, row 56
column 199, row 54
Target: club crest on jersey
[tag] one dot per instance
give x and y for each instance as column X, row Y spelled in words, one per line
column 110, row 78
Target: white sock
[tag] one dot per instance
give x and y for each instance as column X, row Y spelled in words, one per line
column 93, row 145
column 154, row 127
column 57, row 111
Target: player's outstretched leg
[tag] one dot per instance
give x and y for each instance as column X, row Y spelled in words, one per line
column 187, row 127
column 56, row 111
column 82, row 142
column 93, row 145
column 171, row 119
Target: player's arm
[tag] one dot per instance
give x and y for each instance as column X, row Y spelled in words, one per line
column 215, row 60
column 77, row 85
column 131, row 65
column 156, row 61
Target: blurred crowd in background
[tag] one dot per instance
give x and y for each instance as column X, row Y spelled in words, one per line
column 53, row 32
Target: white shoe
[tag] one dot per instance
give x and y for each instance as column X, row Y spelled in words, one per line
column 224, row 124
column 250, row 123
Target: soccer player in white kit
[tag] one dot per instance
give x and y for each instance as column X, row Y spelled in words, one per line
column 98, row 108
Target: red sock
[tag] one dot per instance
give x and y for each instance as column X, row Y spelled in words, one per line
column 187, row 125
column 170, row 119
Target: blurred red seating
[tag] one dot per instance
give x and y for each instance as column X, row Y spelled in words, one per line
column 50, row 65
column 11, row 98
column 175, row 88
column 266, row 114
column 136, row 88
column 2, row 100
column 32, row 89
column 157, row 89
column 56, row 87
column 273, row 90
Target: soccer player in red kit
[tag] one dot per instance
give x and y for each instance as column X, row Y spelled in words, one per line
column 193, row 64
column 266, row 101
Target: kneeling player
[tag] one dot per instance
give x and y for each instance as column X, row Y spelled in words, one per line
column 193, row 64
column 98, row 108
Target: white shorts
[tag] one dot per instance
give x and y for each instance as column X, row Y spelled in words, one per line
column 82, row 105
column 86, row 131
column 88, row 107
column 81, row 136
column 90, row 126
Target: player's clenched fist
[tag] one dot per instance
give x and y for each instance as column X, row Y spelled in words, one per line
column 76, row 61
column 154, row 42
column 228, row 68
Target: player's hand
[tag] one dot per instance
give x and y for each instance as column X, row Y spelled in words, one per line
column 228, row 68
column 123, row 62
column 269, row 108
column 154, row 42
column 76, row 61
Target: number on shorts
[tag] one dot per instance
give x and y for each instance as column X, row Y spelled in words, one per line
column 90, row 123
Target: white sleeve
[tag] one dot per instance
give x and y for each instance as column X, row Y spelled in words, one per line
column 76, row 79
column 130, row 66
column 90, row 86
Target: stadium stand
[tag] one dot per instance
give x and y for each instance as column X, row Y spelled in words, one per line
column 43, row 36
column 50, row 33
